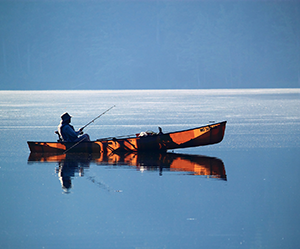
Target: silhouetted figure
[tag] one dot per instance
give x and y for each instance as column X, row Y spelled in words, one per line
column 67, row 131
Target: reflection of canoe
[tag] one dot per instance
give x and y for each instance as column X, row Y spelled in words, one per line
column 194, row 164
column 205, row 135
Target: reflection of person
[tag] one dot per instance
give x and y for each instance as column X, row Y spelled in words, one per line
column 68, row 168
column 67, row 131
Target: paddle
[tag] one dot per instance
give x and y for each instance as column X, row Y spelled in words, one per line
column 81, row 129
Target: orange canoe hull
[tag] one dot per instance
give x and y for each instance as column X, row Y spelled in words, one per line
column 200, row 136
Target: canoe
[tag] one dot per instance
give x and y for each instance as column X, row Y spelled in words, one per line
column 73, row 163
column 200, row 136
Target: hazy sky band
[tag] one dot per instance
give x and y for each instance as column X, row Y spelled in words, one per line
column 149, row 44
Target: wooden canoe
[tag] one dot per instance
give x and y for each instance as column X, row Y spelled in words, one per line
column 200, row 136
column 211, row 167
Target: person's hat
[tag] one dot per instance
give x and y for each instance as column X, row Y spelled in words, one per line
column 65, row 116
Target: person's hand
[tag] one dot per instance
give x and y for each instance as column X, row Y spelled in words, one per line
column 81, row 131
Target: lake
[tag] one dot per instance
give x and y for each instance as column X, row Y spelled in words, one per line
column 114, row 203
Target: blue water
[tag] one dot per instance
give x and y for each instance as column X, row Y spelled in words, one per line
column 121, row 206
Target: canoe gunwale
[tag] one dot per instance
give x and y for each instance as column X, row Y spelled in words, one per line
column 157, row 134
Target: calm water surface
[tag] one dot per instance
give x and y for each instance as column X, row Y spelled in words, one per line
column 118, row 205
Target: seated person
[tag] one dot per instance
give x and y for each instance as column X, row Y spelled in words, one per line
column 67, row 131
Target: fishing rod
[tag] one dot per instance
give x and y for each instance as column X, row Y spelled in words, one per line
column 97, row 117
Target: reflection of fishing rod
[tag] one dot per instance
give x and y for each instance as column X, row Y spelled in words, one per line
column 102, row 185
column 97, row 117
